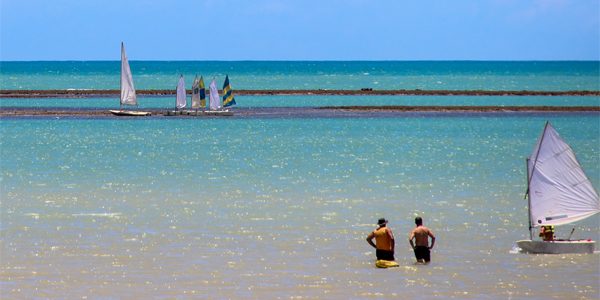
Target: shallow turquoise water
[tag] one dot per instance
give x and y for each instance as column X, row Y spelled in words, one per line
column 316, row 101
column 280, row 208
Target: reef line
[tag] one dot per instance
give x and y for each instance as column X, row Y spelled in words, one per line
column 417, row 92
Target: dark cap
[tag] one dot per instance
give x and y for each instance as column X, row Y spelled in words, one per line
column 382, row 221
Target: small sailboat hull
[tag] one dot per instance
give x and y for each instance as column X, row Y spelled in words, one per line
column 130, row 113
column 556, row 247
column 224, row 113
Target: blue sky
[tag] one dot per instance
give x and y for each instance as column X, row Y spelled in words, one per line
column 300, row 30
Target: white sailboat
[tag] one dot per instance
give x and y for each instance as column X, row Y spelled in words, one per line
column 128, row 96
column 181, row 99
column 214, row 100
column 559, row 193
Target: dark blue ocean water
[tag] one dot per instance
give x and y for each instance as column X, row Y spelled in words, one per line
column 381, row 75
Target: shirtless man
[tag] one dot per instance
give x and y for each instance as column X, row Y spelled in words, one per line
column 384, row 239
column 421, row 234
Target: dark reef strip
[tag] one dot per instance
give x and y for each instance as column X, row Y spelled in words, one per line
column 464, row 108
column 298, row 111
column 115, row 93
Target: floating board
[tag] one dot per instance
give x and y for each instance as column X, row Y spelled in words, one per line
column 386, row 263
column 130, row 113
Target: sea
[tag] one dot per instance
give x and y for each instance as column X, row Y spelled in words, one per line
column 263, row 206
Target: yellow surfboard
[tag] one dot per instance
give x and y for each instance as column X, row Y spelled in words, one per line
column 386, row 263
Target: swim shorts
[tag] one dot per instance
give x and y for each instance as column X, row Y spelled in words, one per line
column 422, row 252
column 384, row 254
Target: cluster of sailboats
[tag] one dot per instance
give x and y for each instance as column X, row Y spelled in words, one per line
column 198, row 105
column 216, row 107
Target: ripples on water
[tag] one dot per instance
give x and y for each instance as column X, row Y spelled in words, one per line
column 268, row 208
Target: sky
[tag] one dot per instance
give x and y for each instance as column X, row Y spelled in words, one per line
column 32, row 30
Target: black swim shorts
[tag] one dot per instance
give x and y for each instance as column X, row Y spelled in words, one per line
column 384, row 254
column 422, row 252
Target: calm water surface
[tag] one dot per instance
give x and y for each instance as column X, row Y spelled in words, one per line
column 280, row 208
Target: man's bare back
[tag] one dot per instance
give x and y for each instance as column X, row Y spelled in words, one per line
column 421, row 234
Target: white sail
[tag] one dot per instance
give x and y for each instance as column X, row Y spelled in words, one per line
column 195, row 94
column 559, row 191
column 128, row 96
column 181, row 101
column 215, row 101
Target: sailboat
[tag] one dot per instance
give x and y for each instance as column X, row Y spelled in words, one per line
column 196, row 93
column 559, row 193
column 228, row 99
column 198, row 96
column 128, row 96
column 181, row 98
column 214, row 102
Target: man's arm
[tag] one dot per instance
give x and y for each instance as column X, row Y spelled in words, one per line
column 412, row 236
column 432, row 239
column 391, row 235
column 370, row 239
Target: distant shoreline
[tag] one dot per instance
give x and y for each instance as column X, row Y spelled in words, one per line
column 417, row 92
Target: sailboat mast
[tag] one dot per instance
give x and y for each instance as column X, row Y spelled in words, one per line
column 527, row 194
column 121, row 80
column 528, row 200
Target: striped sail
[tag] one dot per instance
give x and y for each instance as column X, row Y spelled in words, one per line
column 195, row 94
column 214, row 101
column 202, row 93
column 181, row 101
column 128, row 96
column 559, row 191
column 228, row 99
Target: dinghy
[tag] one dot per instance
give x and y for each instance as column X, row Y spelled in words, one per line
column 228, row 99
column 558, row 192
column 128, row 96
column 198, row 96
column 181, row 98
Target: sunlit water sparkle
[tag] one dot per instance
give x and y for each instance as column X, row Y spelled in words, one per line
column 280, row 208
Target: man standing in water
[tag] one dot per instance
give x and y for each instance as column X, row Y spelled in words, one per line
column 421, row 235
column 384, row 239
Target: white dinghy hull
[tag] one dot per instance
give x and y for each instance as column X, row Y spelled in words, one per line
column 225, row 113
column 556, row 247
column 130, row 113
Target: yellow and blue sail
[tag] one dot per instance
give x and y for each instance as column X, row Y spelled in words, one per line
column 228, row 99
column 202, row 93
